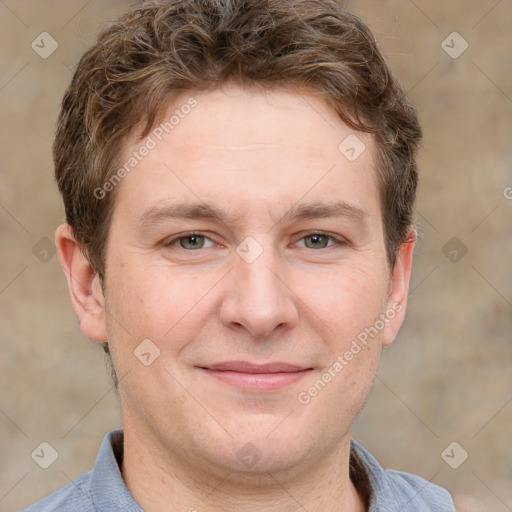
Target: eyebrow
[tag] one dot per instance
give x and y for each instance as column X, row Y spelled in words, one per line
column 321, row 210
column 205, row 211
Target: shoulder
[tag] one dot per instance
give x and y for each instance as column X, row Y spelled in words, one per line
column 102, row 488
column 392, row 490
column 74, row 496
column 420, row 494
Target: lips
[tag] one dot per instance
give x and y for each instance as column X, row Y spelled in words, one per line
column 256, row 377
column 246, row 367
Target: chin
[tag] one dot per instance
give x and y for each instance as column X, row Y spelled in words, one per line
column 264, row 450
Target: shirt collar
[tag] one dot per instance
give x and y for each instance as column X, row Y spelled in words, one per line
column 109, row 492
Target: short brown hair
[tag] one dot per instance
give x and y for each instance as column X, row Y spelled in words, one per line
column 163, row 47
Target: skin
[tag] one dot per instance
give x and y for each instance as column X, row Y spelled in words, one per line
column 254, row 154
column 466, row 503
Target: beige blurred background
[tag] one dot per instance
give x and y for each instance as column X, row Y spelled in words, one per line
column 447, row 378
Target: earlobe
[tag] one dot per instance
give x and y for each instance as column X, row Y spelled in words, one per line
column 84, row 285
column 399, row 289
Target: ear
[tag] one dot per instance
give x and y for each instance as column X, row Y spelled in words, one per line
column 399, row 289
column 84, row 285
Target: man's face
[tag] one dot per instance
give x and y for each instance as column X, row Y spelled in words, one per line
column 289, row 271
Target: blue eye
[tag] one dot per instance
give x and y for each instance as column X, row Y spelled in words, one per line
column 190, row 241
column 196, row 241
column 319, row 240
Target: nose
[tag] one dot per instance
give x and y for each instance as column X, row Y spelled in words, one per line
column 258, row 298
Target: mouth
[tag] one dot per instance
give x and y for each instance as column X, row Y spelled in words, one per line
column 256, row 377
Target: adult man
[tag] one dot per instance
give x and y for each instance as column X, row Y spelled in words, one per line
column 238, row 180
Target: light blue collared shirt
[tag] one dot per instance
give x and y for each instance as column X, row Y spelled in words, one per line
column 103, row 490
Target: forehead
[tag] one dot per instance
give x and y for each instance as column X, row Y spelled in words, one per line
column 248, row 147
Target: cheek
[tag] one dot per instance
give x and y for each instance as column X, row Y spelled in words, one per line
column 147, row 312
column 135, row 314
column 156, row 302
column 347, row 300
column 141, row 290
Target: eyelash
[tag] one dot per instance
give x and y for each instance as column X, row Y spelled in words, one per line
column 338, row 240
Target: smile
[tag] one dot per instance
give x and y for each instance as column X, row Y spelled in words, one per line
column 256, row 377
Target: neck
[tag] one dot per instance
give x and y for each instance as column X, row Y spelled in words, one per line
column 159, row 481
